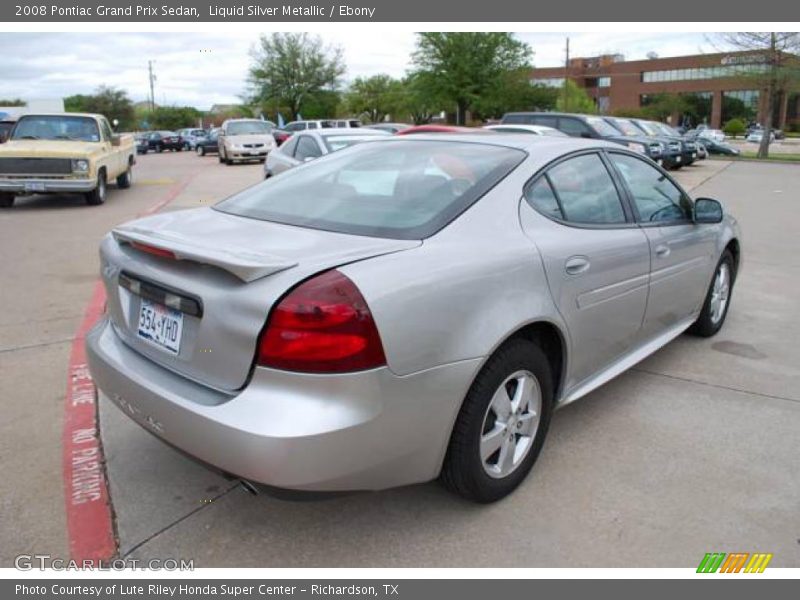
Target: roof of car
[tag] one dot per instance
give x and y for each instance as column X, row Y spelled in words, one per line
column 335, row 131
column 538, row 144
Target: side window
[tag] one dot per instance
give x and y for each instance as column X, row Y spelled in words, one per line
column 586, row 192
column 573, row 127
column 655, row 196
column 547, row 121
column 541, row 197
column 312, row 125
column 306, row 148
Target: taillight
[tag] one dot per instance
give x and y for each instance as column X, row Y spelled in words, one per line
column 322, row 326
column 153, row 250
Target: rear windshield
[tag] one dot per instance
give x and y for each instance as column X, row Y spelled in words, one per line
column 391, row 189
column 56, row 127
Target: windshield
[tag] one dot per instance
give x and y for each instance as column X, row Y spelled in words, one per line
column 648, row 128
column 626, row 127
column 392, row 189
column 337, row 142
column 56, row 127
column 603, row 128
column 248, row 128
column 667, row 130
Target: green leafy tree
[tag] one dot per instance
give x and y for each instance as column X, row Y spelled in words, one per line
column 288, row 68
column 12, row 102
column 373, row 98
column 775, row 68
column 462, row 67
column 574, row 99
column 660, row 107
column 418, row 103
column 173, row 117
column 111, row 102
column 514, row 92
column 735, row 127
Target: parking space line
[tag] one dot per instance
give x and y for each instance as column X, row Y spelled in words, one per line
column 89, row 510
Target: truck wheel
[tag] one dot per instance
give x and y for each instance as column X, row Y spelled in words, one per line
column 98, row 195
column 125, row 180
column 6, row 200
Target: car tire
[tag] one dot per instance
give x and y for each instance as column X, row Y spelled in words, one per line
column 125, row 180
column 98, row 195
column 201, row 151
column 475, row 466
column 7, row 200
column 159, row 149
column 718, row 298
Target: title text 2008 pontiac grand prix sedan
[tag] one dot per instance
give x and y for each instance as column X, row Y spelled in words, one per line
column 405, row 309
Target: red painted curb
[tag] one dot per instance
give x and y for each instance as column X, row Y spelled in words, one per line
column 90, row 525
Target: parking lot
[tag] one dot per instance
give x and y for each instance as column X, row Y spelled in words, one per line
column 694, row 450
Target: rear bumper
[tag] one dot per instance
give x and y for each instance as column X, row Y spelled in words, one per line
column 359, row 431
column 38, row 186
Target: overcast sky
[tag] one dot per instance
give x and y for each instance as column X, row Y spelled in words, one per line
column 201, row 69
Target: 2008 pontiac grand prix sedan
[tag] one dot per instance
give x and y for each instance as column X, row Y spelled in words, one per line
column 405, row 309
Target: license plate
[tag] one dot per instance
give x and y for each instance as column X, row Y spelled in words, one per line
column 160, row 325
column 660, row 162
column 694, row 154
column 254, row 152
column 677, row 159
column 34, row 187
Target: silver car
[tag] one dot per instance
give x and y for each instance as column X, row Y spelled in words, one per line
column 308, row 145
column 405, row 309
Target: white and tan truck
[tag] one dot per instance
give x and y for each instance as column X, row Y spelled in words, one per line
column 63, row 153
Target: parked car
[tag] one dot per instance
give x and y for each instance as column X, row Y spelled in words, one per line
column 281, row 135
column 758, row 134
column 714, row 147
column 390, row 127
column 308, row 145
column 528, row 129
column 158, row 141
column 295, row 126
column 586, row 126
column 688, row 147
column 405, row 309
column 208, row 144
column 190, row 137
column 753, row 127
column 710, row 134
column 62, row 153
column 242, row 140
column 671, row 152
column 435, row 128
column 142, row 144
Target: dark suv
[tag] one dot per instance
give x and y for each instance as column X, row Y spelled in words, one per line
column 661, row 131
column 671, row 150
column 164, row 140
column 587, row 126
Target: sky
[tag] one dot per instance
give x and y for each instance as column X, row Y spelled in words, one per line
column 202, row 69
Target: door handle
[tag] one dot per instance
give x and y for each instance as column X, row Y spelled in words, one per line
column 576, row 265
column 662, row 251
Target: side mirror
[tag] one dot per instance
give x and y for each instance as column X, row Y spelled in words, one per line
column 115, row 140
column 707, row 210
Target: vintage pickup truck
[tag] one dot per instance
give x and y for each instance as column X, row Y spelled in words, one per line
column 63, row 153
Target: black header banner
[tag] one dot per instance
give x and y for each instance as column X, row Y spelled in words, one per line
column 441, row 11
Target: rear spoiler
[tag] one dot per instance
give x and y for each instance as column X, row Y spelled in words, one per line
column 241, row 262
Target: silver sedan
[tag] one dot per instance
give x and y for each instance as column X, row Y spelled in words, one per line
column 305, row 146
column 406, row 309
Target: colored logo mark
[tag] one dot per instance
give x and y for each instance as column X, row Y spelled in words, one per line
column 736, row 562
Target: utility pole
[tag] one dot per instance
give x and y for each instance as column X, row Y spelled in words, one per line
column 566, row 78
column 152, row 85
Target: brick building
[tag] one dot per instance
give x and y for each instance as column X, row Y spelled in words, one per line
column 715, row 86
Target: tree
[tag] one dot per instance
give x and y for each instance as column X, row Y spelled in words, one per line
column 462, row 67
column 734, row 127
column 374, row 97
column 514, row 92
column 418, row 102
column 775, row 67
column 12, row 102
column 572, row 98
column 660, row 107
column 173, row 117
column 111, row 102
column 287, row 68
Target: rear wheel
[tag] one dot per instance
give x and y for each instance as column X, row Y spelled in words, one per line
column 715, row 307
column 502, row 424
column 98, row 194
column 125, row 180
column 6, row 200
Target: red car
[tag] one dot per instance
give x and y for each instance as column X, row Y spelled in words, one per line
column 281, row 136
column 440, row 129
